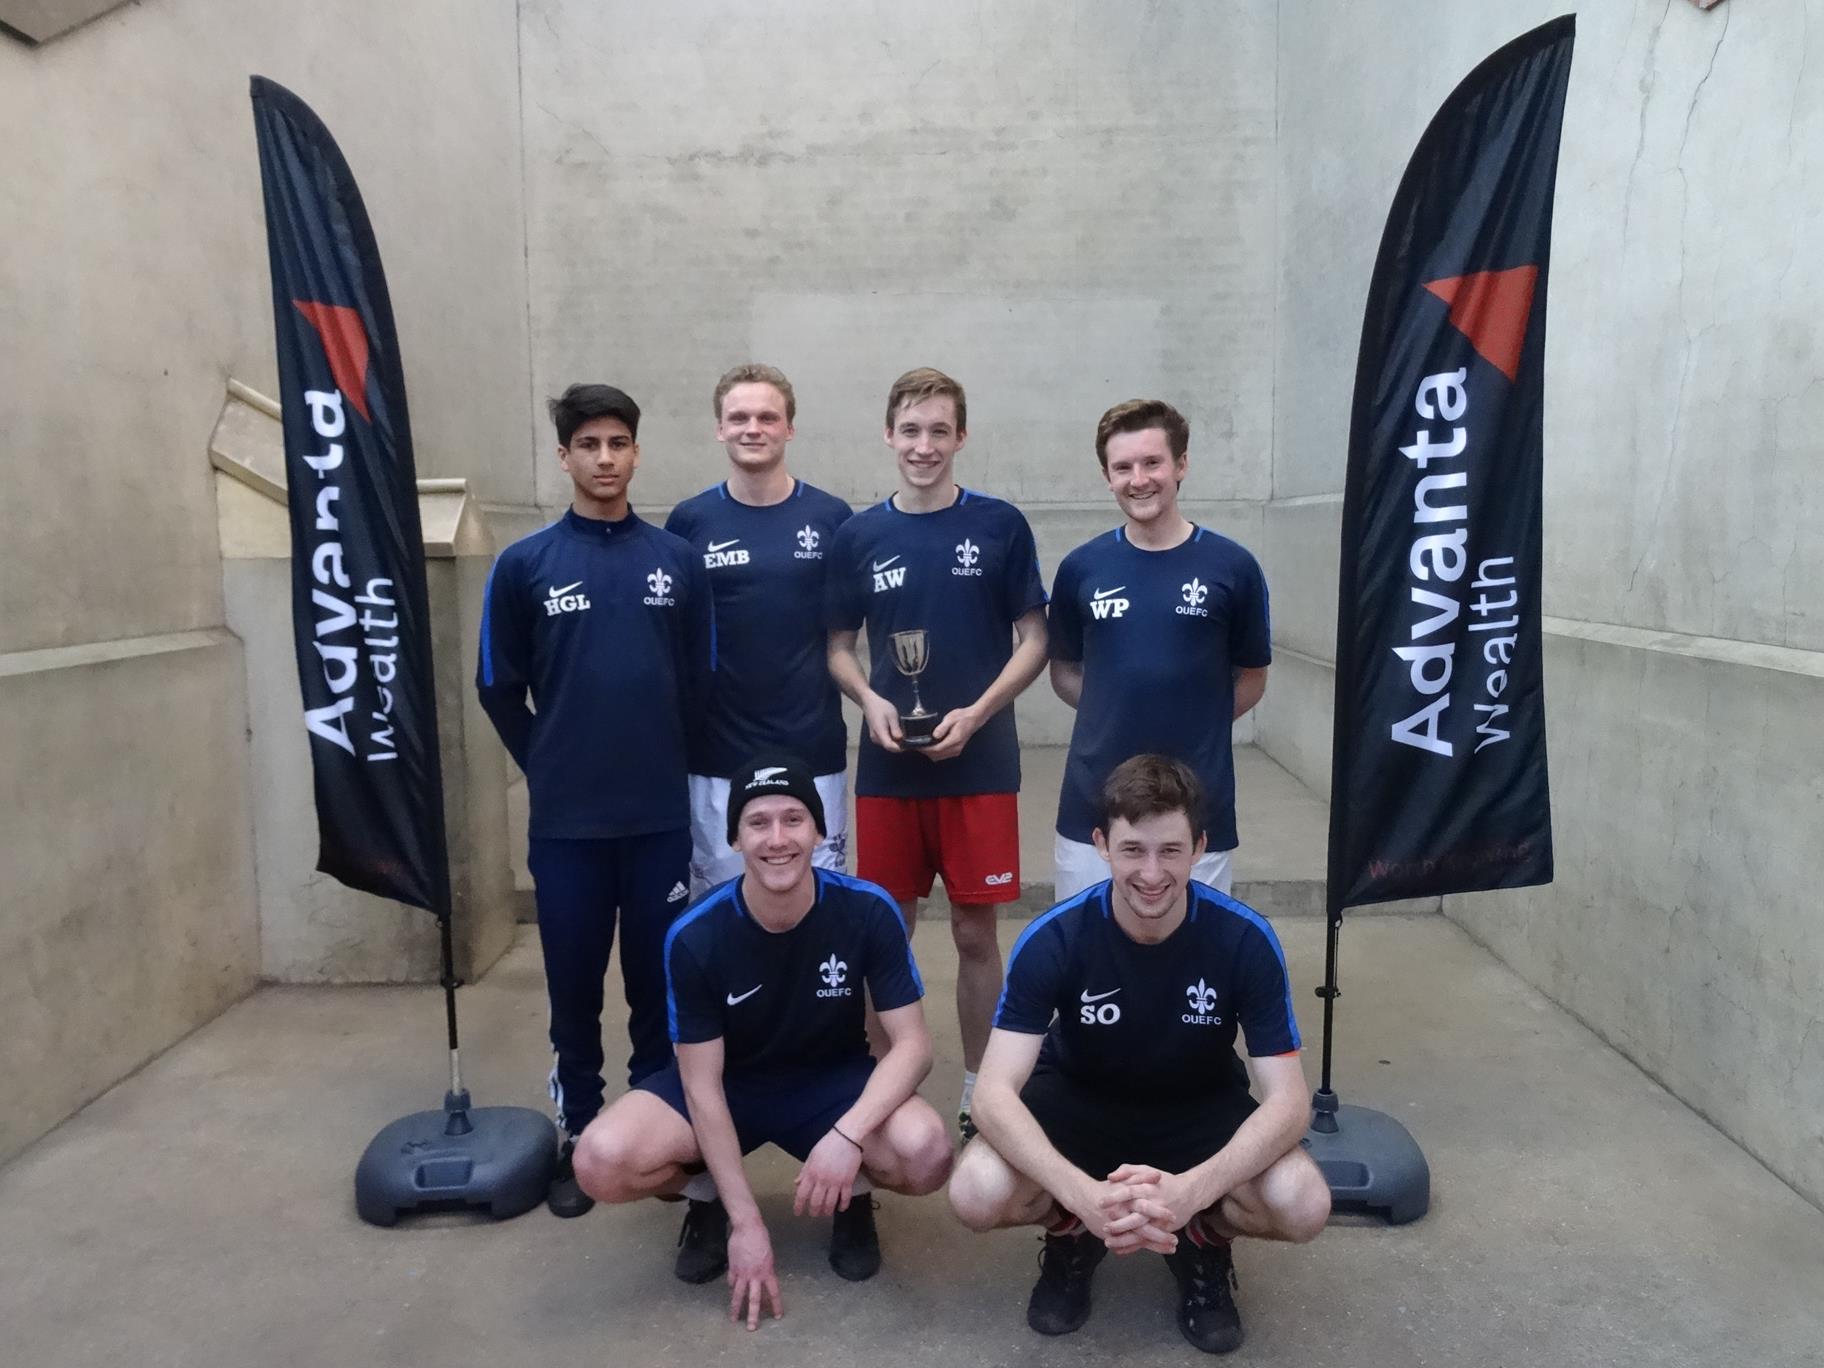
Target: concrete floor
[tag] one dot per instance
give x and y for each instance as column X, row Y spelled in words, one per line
column 201, row 1213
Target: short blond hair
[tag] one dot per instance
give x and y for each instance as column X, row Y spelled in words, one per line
column 753, row 373
column 916, row 386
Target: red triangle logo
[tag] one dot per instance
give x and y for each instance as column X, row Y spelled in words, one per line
column 345, row 344
column 1491, row 309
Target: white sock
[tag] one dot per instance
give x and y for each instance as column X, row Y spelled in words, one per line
column 968, row 1091
column 700, row 1187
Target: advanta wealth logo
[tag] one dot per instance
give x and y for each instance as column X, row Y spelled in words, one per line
column 660, row 584
column 835, row 973
column 1202, row 999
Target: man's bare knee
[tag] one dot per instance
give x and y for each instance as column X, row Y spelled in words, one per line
column 975, row 933
column 981, row 1188
column 1296, row 1198
column 606, row 1157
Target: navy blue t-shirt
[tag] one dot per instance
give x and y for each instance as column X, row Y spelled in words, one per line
column 964, row 574
column 788, row 1000
column 772, row 691
column 611, row 629
column 1150, row 1021
column 1159, row 634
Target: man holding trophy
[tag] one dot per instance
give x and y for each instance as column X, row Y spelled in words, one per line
column 946, row 582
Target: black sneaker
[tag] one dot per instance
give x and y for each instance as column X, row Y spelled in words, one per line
column 965, row 1125
column 702, row 1242
column 1206, row 1301
column 565, row 1197
column 1060, row 1298
column 854, row 1241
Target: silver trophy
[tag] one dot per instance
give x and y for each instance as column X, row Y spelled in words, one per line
column 911, row 653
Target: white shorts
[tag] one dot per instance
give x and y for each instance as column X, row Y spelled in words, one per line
column 713, row 862
column 1079, row 867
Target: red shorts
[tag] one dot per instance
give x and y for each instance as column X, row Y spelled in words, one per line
column 902, row 844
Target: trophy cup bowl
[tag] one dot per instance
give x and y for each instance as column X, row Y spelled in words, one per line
column 911, row 653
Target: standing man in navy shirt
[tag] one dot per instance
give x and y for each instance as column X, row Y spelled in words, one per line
column 605, row 623
column 765, row 979
column 763, row 535
column 960, row 568
column 1113, row 1109
column 1162, row 610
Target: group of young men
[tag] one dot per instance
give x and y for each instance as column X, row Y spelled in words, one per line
column 672, row 696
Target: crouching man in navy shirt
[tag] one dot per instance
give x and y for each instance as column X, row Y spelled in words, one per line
column 1113, row 1109
column 765, row 988
column 607, row 623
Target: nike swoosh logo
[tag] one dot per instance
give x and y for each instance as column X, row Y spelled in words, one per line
column 732, row 999
column 557, row 593
column 1104, row 593
column 1099, row 996
column 882, row 565
column 723, row 546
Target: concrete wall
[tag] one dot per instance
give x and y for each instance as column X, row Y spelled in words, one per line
column 133, row 283
column 1684, row 546
column 1062, row 205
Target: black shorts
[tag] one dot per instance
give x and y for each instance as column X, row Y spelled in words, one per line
column 1099, row 1131
column 792, row 1110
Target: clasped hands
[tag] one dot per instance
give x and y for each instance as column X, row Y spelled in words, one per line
column 1139, row 1207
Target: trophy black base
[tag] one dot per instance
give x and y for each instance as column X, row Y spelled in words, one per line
column 499, row 1159
column 915, row 731
column 1371, row 1162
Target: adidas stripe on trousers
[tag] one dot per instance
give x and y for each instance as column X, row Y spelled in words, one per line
column 582, row 888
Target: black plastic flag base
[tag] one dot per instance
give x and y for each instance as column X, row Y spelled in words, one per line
column 1370, row 1161
column 497, row 1158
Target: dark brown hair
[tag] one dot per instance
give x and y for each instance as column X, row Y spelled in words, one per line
column 916, row 386
column 1151, row 786
column 1137, row 415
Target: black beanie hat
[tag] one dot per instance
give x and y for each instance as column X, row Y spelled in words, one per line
column 770, row 776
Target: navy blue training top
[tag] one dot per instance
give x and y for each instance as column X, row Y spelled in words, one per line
column 788, row 1000
column 1159, row 634
column 610, row 628
column 772, row 691
column 1150, row 1021
column 964, row 574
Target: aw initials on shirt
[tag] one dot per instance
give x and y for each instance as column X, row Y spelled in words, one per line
column 889, row 579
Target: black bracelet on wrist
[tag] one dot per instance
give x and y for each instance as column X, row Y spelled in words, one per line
column 851, row 1139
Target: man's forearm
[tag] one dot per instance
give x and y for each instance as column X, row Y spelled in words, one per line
column 1067, row 680
column 845, row 669
column 895, row 1078
column 1016, row 676
column 1017, row 1137
column 1250, row 688
column 716, row 1138
column 1272, row 1132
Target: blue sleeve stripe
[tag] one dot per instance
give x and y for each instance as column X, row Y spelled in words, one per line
column 713, row 900
column 1265, row 927
column 1043, row 920
column 850, row 882
column 487, row 627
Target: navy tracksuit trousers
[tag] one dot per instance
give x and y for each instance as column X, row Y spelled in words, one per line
column 582, row 885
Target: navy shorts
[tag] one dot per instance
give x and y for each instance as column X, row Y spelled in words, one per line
column 1098, row 1132
column 793, row 1110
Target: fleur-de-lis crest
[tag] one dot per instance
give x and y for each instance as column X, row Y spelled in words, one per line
column 808, row 538
column 659, row 582
column 834, row 971
column 1196, row 592
column 968, row 553
column 1201, row 996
